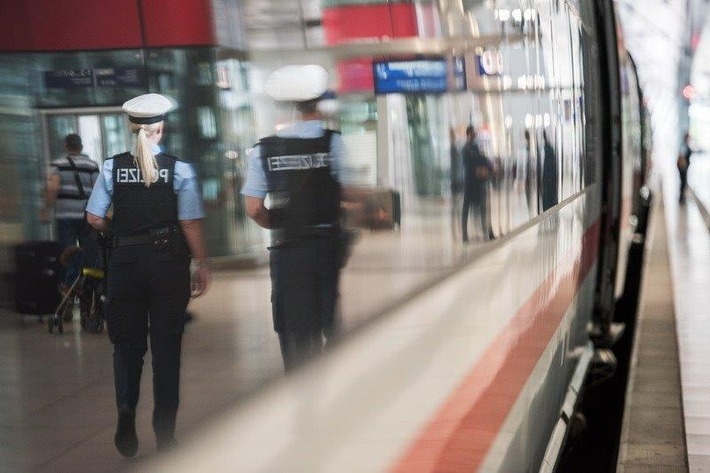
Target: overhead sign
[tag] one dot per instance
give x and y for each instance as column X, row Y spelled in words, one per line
column 490, row 63
column 101, row 77
column 69, row 79
column 410, row 76
column 119, row 77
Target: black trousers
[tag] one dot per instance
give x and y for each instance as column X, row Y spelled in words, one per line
column 478, row 199
column 304, row 291
column 683, row 182
column 147, row 294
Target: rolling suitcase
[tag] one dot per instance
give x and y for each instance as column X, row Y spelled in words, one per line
column 37, row 277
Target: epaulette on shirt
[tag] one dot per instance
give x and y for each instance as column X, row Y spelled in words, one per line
column 326, row 132
column 116, row 156
column 173, row 157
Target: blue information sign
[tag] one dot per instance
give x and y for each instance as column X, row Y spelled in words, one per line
column 414, row 76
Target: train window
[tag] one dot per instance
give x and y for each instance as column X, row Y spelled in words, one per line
column 576, row 102
column 512, row 73
column 592, row 93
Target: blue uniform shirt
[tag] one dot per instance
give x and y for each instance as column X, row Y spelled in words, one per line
column 255, row 185
column 184, row 184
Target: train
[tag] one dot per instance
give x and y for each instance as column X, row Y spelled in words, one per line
column 466, row 356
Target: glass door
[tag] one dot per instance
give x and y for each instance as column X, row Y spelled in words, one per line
column 103, row 132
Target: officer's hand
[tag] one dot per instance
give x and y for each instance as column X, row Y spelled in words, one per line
column 201, row 278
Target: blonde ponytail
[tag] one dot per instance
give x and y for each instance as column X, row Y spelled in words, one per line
column 143, row 156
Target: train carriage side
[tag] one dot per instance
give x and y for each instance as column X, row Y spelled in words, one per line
column 626, row 198
column 481, row 369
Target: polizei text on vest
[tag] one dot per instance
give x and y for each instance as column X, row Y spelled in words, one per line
column 133, row 175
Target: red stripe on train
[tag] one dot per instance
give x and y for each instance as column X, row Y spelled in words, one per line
column 462, row 432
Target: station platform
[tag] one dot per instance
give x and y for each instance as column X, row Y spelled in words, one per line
column 667, row 413
column 57, row 408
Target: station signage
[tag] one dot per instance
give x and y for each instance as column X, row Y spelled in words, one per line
column 490, row 63
column 411, row 76
column 100, row 77
column 430, row 76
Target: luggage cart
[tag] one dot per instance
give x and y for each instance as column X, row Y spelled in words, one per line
column 88, row 287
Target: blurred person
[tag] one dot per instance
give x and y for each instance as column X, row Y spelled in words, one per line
column 683, row 165
column 157, row 227
column 530, row 172
column 69, row 184
column 477, row 173
column 549, row 174
column 456, row 168
column 293, row 187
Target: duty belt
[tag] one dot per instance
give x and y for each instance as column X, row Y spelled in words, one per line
column 280, row 236
column 131, row 240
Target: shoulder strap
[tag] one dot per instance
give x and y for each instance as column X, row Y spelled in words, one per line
column 328, row 135
column 82, row 194
column 120, row 155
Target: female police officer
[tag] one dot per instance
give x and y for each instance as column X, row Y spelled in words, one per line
column 157, row 225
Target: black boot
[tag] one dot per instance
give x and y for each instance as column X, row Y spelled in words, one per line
column 126, row 440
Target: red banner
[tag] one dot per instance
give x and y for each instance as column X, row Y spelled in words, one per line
column 78, row 25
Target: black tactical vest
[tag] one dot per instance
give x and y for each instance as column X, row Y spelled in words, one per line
column 137, row 208
column 301, row 189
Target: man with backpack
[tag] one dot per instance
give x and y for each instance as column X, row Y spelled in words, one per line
column 69, row 183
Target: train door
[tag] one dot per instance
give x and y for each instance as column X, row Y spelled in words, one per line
column 103, row 132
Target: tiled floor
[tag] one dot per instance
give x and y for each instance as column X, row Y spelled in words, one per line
column 57, row 408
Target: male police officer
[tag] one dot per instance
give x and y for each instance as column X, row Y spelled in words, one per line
column 298, row 169
column 157, row 225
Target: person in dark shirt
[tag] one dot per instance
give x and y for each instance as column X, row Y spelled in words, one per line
column 683, row 165
column 549, row 175
column 531, row 173
column 477, row 173
column 456, row 171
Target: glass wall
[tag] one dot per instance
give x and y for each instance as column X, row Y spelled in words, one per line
column 20, row 164
column 212, row 127
column 103, row 134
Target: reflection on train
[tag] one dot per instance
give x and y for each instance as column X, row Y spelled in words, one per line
column 481, row 353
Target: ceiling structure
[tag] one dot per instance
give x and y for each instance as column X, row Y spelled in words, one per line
column 283, row 24
column 662, row 36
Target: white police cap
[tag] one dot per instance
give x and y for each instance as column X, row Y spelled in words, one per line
column 149, row 108
column 297, row 83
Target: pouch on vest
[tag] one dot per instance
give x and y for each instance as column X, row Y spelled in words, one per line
column 161, row 238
